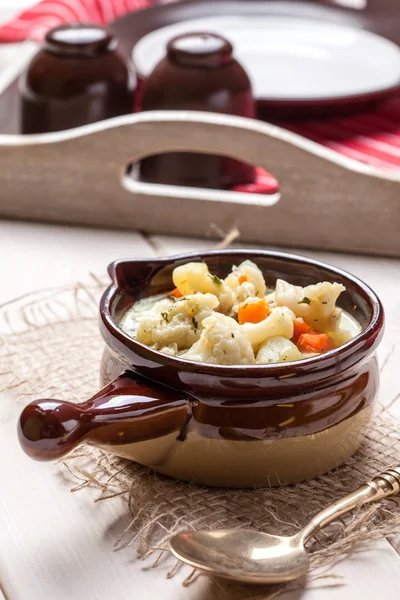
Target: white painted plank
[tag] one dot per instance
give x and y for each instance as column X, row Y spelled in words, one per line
column 55, row 544
column 33, row 500
column 367, row 575
column 34, row 256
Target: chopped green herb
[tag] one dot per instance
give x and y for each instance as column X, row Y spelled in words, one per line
column 195, row 323
column 305, row 301
column 215, row 279
column 175, row 299
column 165, row 316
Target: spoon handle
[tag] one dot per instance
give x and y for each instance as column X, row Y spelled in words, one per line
column 381, row 486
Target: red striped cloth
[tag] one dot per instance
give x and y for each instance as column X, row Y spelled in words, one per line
column 370, row 137
column 36, row 21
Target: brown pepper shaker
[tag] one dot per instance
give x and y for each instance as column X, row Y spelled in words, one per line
column 78, row 77
column 199, row 72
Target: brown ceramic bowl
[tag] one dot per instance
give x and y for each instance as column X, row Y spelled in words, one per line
column 239, row 426
column 77, row 77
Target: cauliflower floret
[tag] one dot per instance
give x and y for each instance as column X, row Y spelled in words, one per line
column 314, row 303
column 221, row 343
column 171, row 350
column 199, row 305
column 245, row 291
column 155, row 332
column 196, row 277
column 278, row 349
column 278, row 323
column 179, row 322
column 246, row 281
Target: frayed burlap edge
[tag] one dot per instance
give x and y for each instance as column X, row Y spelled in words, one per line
column 50, row 347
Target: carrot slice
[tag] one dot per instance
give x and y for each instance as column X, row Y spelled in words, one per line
column 315, row 342
column 253, row 312
column 300, row 327
column 176, row 293
column 242, row 279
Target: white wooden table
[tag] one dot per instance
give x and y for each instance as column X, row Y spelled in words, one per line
column 55, row 545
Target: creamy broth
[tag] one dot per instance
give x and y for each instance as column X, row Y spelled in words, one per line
column 130, row 320
column 237, row 320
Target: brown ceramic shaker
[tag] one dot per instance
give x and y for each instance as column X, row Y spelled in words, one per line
column 199, row 73
column 78, row 77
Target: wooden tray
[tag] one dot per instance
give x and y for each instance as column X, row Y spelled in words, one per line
column 78, row 176
column 327, row 201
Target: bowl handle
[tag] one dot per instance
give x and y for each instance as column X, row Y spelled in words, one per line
column 128, row 410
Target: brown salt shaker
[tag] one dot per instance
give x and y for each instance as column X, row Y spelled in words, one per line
column 78, row 77
column 199, row 72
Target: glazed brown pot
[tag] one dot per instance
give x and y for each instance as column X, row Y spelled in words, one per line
column 239, row 426
column 77, row 77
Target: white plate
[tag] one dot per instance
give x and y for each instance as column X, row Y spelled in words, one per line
column 292, row 59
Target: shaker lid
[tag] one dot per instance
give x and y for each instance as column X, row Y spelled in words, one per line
column 207, row 50
column 80, row 40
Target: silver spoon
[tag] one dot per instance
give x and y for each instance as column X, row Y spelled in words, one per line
column 253, row 557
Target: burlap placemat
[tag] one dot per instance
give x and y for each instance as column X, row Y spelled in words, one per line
column 50, row 347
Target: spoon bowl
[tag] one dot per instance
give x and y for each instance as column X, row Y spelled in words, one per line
column 243, row 554
column 251, row 556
